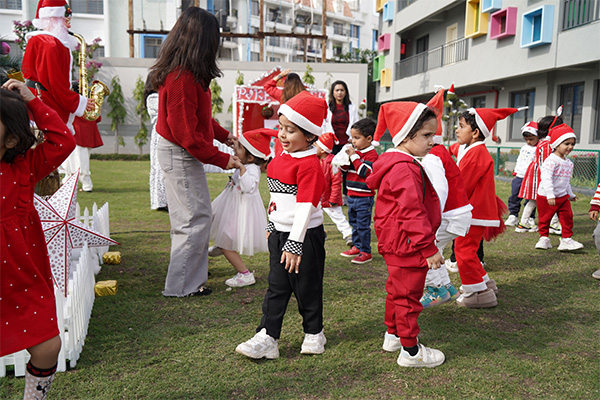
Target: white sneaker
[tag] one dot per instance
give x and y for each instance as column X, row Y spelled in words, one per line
column 532, row 226
column 391, row 342
column 556, row 229
column 261, row 345
column 451, row 266
column 313, row 344
column 568, row 244
column 544, row 243
column 214, row 251
column 426, row 357
column 241, row 280
column 511, row 220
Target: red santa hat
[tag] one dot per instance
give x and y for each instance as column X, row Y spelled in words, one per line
column 530, row 127
column 559, row 134
column 306, row 111
column 52, row 8
column 326, row 141
column 437, row 105
column 451, row 90
column 399, row 117
column 486, row 118
column 257, row 142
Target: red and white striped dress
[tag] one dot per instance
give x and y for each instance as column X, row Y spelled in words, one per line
column 531, row 181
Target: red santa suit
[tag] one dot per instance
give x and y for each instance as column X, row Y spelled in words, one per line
column 407, row 215
column 477, row 170
column 48, row 62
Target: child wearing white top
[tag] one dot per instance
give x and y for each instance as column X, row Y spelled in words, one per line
column 593, row 213
column 554, row 193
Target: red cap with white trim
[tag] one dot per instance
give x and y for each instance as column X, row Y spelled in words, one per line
column 486, row 118
column 306, row 111
column 399, row 117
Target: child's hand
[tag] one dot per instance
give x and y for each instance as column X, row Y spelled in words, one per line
column 593, row 215
column 291, row 261
column 552, row 202
column 20, row 88
column 232, row 162
column 350, row 151
column 231, row 140
column 574, row 198
column 435, row 261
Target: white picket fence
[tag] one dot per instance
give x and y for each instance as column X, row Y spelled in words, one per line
column 73, row 312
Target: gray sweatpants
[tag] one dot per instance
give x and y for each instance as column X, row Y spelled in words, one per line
column 596, row 236
column 190, row 214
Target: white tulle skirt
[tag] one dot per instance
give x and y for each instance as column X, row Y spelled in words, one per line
column 239, row 222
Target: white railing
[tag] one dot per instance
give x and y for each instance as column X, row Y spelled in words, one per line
column 73, row 312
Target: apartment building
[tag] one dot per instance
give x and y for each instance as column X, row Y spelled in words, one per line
column 349, row 25
column 498, row 53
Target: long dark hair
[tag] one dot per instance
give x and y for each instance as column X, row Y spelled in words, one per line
column 292, row 86
column 546, row 123
column 192, row 45
column 346, row 101
column 14, row 117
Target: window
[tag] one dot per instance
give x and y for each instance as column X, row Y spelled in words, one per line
column 375, row 39
column 476, row 22
column 99, row 52
column 275, row 15
column 338, row 29
column 388, row 11
column 517, row 120
column 596, row 110
column 478, row 102
column 489, row 6
column 11, row 4
column 151, row 45
column 88, row 6
column 384, row 42
column 422, row 56
column 378, row 65
column 537, row 27
column 254, row 56
column 504, row 23
column 255, row 7
column 354, row 31
column 571, row 98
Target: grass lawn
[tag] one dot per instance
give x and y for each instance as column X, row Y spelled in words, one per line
column 541, row 341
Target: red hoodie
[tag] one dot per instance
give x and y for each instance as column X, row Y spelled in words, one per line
column 407, row 211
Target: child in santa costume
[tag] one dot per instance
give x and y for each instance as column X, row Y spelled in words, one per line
column 239, row 218
column 47, row 61
column 27, row 303
column 331, row 202
column 531, row 180
column 554, row 194
column 456, row 210
column 477, row 169
column 525, row 158
column 407, row 216
column 593, row 213
column 296, row 236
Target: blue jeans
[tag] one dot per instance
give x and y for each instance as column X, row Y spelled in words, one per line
column 359, row 216
column 514, row 201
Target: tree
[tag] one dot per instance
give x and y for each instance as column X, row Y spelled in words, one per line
column 216, row 99
column 308, row 77
column 92, row 66
column 140, row 110
column 21, row 29
column 455, row 106
column 239, row 80
column 8, row 64
column 117, row 110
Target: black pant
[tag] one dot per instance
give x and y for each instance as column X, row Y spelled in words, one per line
column 307, row 284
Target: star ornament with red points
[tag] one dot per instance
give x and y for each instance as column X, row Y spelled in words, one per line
column 63, row 232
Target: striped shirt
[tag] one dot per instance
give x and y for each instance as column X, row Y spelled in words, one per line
column 361, row 166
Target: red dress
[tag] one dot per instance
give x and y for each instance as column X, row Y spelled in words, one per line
column 27, row 305
column 532, row 177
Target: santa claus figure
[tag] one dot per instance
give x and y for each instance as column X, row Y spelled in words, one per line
column 47, row 61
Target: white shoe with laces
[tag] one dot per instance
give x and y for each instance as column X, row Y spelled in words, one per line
column 241, row 280
column 426, row 357
column 313, row 343
column 391, row 342
column 568, row 244
column 544, row 243
column 511, row 220
column 261, row 345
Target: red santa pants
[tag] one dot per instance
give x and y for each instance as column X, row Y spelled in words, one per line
column 562, row 207
column 472, row 274
column 402, row 304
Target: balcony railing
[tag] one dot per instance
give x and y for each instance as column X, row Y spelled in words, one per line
column 447, row 54
column 579, row 12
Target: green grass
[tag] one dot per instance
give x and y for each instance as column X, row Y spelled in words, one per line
column 540, row 342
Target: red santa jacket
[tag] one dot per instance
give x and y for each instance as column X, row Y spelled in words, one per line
column 48, row 61
column 407, row 211
column 87, row 133
column 333, row 184
column 477, row 170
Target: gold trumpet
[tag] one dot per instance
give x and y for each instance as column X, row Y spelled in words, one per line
column 98, row 89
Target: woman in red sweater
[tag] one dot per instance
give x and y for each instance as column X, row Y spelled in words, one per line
column 183, row 70
column 342, row 114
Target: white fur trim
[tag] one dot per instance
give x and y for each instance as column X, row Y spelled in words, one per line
column 437, row 139
column 410, row 122
column 46, row 12
column 323, row 147
column 253, row 150
column 480, row 124
column 530, row 129
column 562, row 138
column 300, row 120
